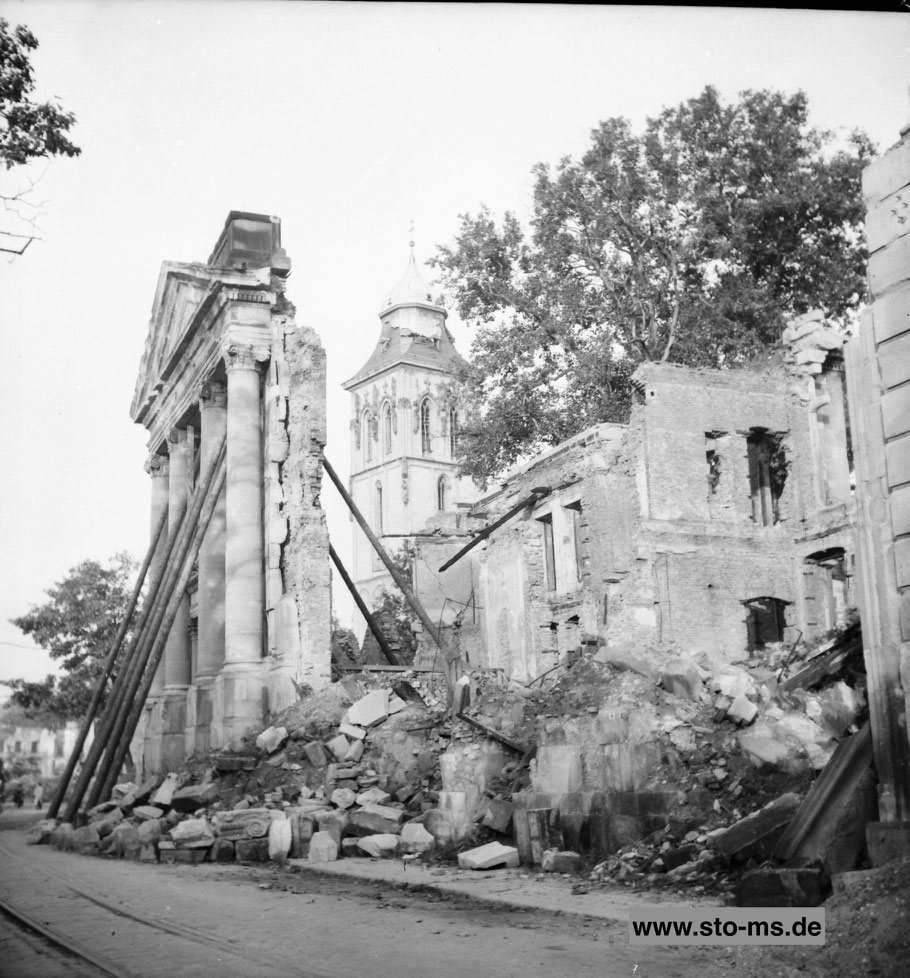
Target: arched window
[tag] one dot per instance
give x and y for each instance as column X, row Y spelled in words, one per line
column 441, row 493
column 426, row 445
column 377, row 511
column 366, row 434
column 386, row 429
column 453, row 433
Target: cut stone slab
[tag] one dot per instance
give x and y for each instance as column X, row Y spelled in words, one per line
column 499, row 815
column 369, row 710
column 762, row 748
column 806, row 887
column 120, row 790
column 756, row 835
column 323, row 848
column 367, row 823
column 235, row 763
column 333, row 822
column 373, row 796
column 382, row 846
column 279, row 839
column 682, row 677
column 146, row 813
column 415, row 839
column 338, row 746
column 352, row 732
column 354, row 752
column 395, row 815
column 193, row 833
column 490, row 856
column 271, row 739
column 194, row 796
column 553, row 861
column 396, row 705
column 742, row 710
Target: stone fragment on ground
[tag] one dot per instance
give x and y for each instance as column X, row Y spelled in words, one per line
column 490, row 856
column 369, row 710
column 193, row 833
column 194, row 797
column 415, row 840
column 381, row 846
column 247, row 824
column 554, row 861
column 755, row 836
column 271, row 739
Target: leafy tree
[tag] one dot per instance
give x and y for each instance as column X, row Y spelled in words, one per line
column 393, row 616
column 30, row 130
column 688, row 243
column 77, row 625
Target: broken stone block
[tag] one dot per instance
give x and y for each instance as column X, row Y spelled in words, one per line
column 682, row 677
column 120, row 790
column 415, row 839
column 323, row 848
column 395, row 815
column 62, row 837
column 279, row 839
column 367, row 823
column 396, row 705
column 316, row 754
column 148, row 853
column 731, row 681
column 354, row 752
column 333, row 822
column 672, row 858
column 683, row 739
column 762, row 748
column 147, row 812
column 271, row 739
column 742, row 710
column 251, row 850
column 86, row 836
column 149, row 832
column 804, row 887
column 373, row 796
column 490, row 856
column 234, row 763
column 553, row 861
column 193, row 833
column 125, row 842
column 349, row 846
column 193, row 797
column 166, row 790
column 369, row 710
column 498, row 816
column 338, row 746
column 383, row 846
column 352, row 732
column 756, row 835
column 624, row 660
column 343, row 797
column 440, row 824
column 253, row 823
column 222, row 851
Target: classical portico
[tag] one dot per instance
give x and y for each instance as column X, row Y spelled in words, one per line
column 225, row 362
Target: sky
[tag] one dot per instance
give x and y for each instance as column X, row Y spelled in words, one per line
column 348, row 121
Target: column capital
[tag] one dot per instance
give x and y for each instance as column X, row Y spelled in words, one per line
column 176, row 439
column 212, row 394
column 156, row 465
column 243, row 356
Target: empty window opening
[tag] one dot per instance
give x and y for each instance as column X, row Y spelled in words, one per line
column 765, row 622
column 574, row 512
column 767, row 474
column 712, row 459
column 426, row 446
column 549, row 554
column 441, row 497
column 453, row 433
column 832, row 580
column 387, row 429
column 34, row 746
column 377, row 510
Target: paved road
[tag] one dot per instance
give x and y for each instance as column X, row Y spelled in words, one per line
column 229, row 921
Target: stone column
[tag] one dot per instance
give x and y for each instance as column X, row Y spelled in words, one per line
column 149, row 735
column 210, row 655
column 177, row 649
column 238, row 699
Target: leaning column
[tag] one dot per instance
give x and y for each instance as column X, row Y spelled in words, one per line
column 210, row 655
column 238, row 697
column 177, row 649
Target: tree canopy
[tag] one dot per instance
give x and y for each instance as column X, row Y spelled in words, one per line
column 77, row 626
column 30, row 131
column 689, row 242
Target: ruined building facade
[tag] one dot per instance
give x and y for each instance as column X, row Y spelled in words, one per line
column 225, row 356
column 405, row 414
column 718, row 520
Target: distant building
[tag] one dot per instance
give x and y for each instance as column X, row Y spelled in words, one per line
column 48, row 749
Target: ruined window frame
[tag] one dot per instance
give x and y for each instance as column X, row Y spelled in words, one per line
column 774, row 613
column 549, row 550
column 576, row 509
column 442, row 490
column 768, row 470
column 366, row 424
column 378, row 516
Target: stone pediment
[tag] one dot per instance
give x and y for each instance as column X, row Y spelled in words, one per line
column 181, row 291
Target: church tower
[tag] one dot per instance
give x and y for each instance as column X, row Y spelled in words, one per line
column 404, row 427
